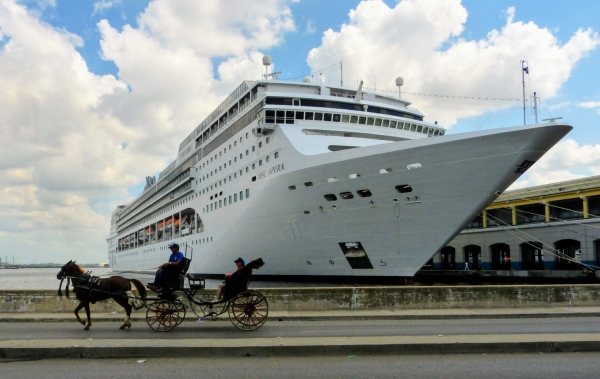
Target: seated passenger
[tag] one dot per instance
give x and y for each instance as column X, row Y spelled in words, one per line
column 174, row 264
column 240, row 263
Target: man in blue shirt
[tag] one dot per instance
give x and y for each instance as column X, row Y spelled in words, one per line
column 174, row 263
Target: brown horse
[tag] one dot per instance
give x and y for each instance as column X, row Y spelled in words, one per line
column 89, row 289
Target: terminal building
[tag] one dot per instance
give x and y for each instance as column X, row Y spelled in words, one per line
column 551, row 228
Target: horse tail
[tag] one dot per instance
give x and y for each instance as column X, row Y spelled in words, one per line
column 142, row 291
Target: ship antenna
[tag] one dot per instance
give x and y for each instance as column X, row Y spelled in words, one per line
column 267, row 62
column 524, row 70
column 399, row 83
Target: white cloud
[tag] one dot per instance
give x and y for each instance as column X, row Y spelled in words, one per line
column 63, row 129
column 102, row 5
column 561, row 105
column 310, row 28
column 421, row 40
column 590, row 105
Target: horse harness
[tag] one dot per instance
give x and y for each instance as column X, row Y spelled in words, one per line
column 90, row 283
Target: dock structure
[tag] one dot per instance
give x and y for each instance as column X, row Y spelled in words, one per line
column 528, row 231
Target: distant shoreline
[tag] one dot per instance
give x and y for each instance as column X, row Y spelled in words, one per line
column 56, row 265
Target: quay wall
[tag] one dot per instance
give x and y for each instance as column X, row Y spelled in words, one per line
column 348, row 298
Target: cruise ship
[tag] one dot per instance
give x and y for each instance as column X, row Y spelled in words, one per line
column 325, row 183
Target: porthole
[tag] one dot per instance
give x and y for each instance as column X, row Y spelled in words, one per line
column 354, row 176
column 331, row 180
column 306, row 212
column 346, row 195
column 254, row 178
column 364, row 193
column 385, row 170
column 330, row 197
column 404, row 188
column 291, row 187
column 308, row 184
column 276, row 154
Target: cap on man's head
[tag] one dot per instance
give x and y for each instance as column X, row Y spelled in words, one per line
column 240, row 260
column 173, row 245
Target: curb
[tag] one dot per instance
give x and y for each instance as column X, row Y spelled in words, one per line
column 70, row 349
column 193, row 318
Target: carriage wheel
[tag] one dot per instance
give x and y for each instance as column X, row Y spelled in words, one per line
column 248, row 310
column 182, row 309
column 163, row 315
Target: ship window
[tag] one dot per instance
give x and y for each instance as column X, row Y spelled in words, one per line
column 336, row 118
column 291, row 187
column 235, row 159
column 260, row 144
column 318, row 116
column 299, row 115
column 253, row 148
column 247, row 134
column 280, row 117
column 436, row 132
column 413, row 127
column 289, row 117
column 241, row 195
column 234, row 143
column 364, row 193
column 268, row 139
column 327, row 117
column 235, row 175
column 219, row 153
column 385, row 170
column 220, row 203
column 308, row 184
column 247, row 152
column 224, row 165
column 404, row 188
column 229, row 146
column 235, row 197
column 276, row 154
column 247, row 168
column 309, row 116
column 211, row 206
column 253, row 166
column 330, row 197
column 386, row 123
column 241, row 139
column 229, row 199
column 247, row 193
column 260, row 162
column 353, row 119
column 442, row 132
column 268, row 158
column 406, row 126
column 306, row 212
column 370, row 121
column 254, row 178
column 419, row 128
column 354, row 176
column 296, row 102
column 211, row 197
column 345, row 118
column 346, row 195
column 362, row 120
column 240, row 172
column 241, row 156
column 377, row 122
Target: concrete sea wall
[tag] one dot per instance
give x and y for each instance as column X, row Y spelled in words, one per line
column 348, row 298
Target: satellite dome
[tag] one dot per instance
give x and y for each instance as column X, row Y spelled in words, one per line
column 306, row 79
column 267, row 60
column 399, row 81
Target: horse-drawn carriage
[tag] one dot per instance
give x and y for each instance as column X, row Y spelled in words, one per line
column 248, row 309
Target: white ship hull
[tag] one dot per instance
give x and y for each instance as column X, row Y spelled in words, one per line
column 459, row 175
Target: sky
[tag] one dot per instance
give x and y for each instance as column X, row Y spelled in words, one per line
column 97, row 95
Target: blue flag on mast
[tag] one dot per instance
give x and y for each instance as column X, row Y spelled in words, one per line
column 526, row 69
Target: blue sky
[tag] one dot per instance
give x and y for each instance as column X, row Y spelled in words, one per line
column 96, row 95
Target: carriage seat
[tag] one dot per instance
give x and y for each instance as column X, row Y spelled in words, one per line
column 172, row 279
column 197, row 282
column 239, row 280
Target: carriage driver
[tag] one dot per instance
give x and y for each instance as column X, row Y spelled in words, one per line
column 174, row 263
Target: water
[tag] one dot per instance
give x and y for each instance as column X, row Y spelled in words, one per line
column 45, row 279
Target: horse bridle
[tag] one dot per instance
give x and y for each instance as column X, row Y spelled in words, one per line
column 62, row 274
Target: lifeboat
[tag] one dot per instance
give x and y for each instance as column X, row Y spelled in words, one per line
column 177, row 222
column 169, row 221
column 160, row 224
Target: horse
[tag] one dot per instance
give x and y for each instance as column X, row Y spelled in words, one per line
column 89, row 289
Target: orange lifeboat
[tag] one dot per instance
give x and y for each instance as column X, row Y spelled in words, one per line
column 160, row 224
column 177, row 222
column 169, row 221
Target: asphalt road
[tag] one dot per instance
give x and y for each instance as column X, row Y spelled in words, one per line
column 465, row 366
column 274, row 328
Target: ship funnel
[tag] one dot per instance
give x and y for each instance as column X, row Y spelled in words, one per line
column 399, row 83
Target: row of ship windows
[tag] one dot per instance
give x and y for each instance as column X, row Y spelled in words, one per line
column 290, row 117
column 226, row 201
column 260, row 162
column 230, row 148
column 404, row 188
column 202, row 240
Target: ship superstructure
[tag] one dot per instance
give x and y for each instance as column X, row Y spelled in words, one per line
column 323, row 182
